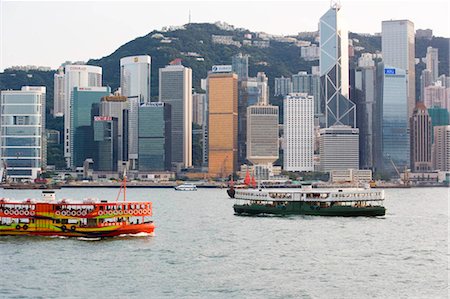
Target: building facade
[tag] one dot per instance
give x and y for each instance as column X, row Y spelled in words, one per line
column 398, row 48
column 339, row 148
column 23, row 149
column 58, row 93
column 283, row 86
column 432, row 61
column 76, row 76
column 83, row 101
column 198, row 107
column 240, row 66
column 420, row 139
column 441, row 150
column 106, row 142
column 298, row 132
column 155, row 137
column 175, row 88
column 262, row 134
column 222, row 124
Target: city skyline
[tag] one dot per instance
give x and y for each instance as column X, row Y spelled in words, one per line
column 56, row 19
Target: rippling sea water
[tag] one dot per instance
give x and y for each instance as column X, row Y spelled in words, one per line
column 201, row 249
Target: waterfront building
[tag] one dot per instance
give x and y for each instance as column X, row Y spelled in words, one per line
column 240, row 66
column 155, row 137
column 198, row 107
column 441, row 157
column 106, row 143
column 135, row 76
column 262, row 134
column 283, row 86
column 437, row 96
column 23, row 148
column 420, row 127
column 222, row 124
column 116, row 106
column 432, row 62
column 339, row 148
column 175, row 88
column 76, row 76
column 298, row 132
column 58, row 93
column 81, row 118
column 366, row 114
column 398, row 48
column 334, row 72
column 394, row 118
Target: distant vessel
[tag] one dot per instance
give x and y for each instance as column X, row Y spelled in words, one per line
column 89, row 218
column 318, row 202
column 186, row 187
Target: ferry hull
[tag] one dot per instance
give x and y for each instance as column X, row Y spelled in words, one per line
column 86, row 232
column 300, row 209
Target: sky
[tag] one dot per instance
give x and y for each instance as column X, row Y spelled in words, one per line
column 48, row 33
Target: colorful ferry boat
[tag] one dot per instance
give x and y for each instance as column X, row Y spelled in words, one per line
column 89, row 218
column 309, row 201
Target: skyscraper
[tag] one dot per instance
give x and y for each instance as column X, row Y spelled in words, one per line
column 425, row 81
column 58, row 93
column 397, row 46
column 175, row 88
column 436, row 96
column 223, row 124
column 135, row 78
column 198, row 107
column 105, row 130
column 420, row 139
column 334, row 81
column 283, row 86
column 339, row 148
column 432, row 59
column 23, row 149
column 81, row 119
column 441, row 147
column 240, row 66
column 394, row 118
column 298, row 132
column 76, row 76
column 155, row 137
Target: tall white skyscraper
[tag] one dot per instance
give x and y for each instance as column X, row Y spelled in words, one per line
column 298, row 132
column 433, row 62
column 339, row 148
column 58, row 93
column 135, row 78
column 339, row 110
column 76, row 76
column 23, row 147
column 175, row 88
column 397, row 46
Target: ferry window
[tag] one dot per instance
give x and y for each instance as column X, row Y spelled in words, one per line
column 57, row 221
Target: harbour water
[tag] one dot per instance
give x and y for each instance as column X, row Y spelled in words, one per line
column 202, row 250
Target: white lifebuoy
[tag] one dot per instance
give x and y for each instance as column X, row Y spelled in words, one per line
column 64, row 213
column 120, row 212
column 84, row 213
column 100, row 213
column 26, row 213
column 140, row 212
column 6, row 212
column 57, row 213
column 73, row 213
column 31, row 213
column 78, row 213
column 15, row 212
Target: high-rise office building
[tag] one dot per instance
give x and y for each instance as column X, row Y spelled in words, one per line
column 240, row 66
column 222, row 124
column 155, row 137
column 334, row 73
column 76, row 76
column 298, row 132
column 198, row 107
column 432, row 62
column 175, row 88
column 441, row 148
column 117, row 107
column 106, row 143
column 135, row 76
column 262, row 134
column 437, row 96
column 439, row 116
column 425, row 81
column 366, row 114
column 398, row 48
column 23, row 150
column 283, row 86
column 81, row 118
column 58, row 93
column 339, row 148
column 394, row 118
column 420, row 127
column 301, row 83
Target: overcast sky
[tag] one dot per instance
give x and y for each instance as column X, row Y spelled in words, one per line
column 49, row 33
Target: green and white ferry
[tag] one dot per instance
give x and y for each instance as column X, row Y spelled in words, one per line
column 309, row 201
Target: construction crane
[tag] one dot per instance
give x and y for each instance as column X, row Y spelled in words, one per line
column 405, row 179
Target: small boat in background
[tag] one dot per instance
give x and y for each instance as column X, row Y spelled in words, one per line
column 186, row 187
